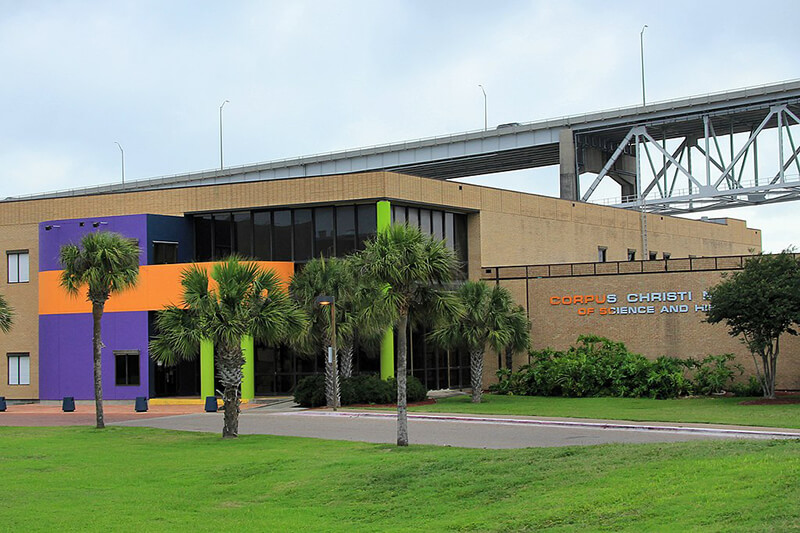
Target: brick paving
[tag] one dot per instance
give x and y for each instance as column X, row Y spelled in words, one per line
column 84, row 414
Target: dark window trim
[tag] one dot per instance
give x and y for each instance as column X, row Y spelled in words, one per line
column 9, row 355
column 126, row 354
column 8, row 272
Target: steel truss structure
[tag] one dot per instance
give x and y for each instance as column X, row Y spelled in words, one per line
column 715, row 160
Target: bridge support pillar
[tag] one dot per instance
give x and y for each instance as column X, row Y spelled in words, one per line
column 567, row 162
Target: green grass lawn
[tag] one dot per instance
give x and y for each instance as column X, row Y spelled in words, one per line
column 139, row 479
column 709, row 410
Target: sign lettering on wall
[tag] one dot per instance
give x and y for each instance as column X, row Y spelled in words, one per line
column 634, row 303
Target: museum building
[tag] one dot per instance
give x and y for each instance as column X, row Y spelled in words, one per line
column 283, row 223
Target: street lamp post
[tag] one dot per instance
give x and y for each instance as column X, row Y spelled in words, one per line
column 221, row 166
column 122, row 152
column 331, row 362
column 641, row 53
column 485, row 108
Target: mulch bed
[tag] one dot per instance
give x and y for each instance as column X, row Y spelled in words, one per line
column 410, row 404
column 784, row 398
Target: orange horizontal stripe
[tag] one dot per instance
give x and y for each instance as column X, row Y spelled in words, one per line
column 158, row 286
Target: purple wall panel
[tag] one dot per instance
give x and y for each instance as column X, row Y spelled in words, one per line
column 65, row 355
column 63, row 232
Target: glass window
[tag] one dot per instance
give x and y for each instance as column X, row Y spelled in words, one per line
column 425, row 221
column 203, row 238
column 243, row 234
column 653, row 256
column 18, row 267
column 666, row 255
column 262, row 235
column 19, row 369
column 602, row 254
column 460, row 231
column 413, row 217
column 399, row 214
column 222, row 235
column 345, row 230
column 127, row 367
column 631, row 254
column 324, row 234
column 165, row 253
column 367, row 223
column 282, row 243
column 303, row 234
column 449, row 231
column 438, row 225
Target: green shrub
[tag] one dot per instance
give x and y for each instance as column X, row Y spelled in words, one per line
column 597, row 366
column 715, row 374
column 310, row 391
column 370, row 389
column 367, row 389
column 751, row 388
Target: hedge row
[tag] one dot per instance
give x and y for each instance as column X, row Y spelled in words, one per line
column 597, row 366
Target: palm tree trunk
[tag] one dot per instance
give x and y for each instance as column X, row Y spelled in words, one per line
column 476, row 374
column 230, row 377
column 347, row 361
column 331, row 382
column 97, row 348
column 402, row 413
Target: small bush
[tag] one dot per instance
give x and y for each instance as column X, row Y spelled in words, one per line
column 715, row 374
column 751, row 388
column 310, row 391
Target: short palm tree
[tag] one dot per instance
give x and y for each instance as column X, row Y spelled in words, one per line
column 329, row 277
column 247, row 300
column 105, row 263
column 361, row 311
column 6, row 315
column 408, row 263
column 489, row 318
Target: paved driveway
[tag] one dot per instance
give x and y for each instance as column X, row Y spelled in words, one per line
column 453, row 430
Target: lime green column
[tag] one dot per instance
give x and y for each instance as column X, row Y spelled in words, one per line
column 206, row 368
column 384, row 221
column 249, row 369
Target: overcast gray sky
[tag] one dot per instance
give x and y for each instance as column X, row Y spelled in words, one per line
column 306, row 77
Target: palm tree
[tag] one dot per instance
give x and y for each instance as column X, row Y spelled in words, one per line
column 490, row 318
column 361, row 311
column 248, row 300
column 408, row 263
column 106, row 263
column 6, row 315
column 330, row 277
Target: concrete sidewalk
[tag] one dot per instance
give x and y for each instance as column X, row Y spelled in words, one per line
column 458, row 430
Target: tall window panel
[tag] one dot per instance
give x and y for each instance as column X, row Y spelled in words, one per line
column 262, row 235
column 367, row 223
column 345, row 230
column 18, row 267
column 203, row 238
column 223, row 245
column 243, row 234
column 425, row 221
column 303, row 235
column 438, row 225
column 282, row 244
column 324, row 232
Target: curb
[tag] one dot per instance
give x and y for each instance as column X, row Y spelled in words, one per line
column 566, row 423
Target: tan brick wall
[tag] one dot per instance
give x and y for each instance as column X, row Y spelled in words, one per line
column 673, row 334
column 23, row 297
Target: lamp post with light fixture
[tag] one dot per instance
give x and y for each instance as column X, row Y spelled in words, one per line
column 331, row 364
column 221, row 166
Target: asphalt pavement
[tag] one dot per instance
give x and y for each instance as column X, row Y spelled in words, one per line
column 455, row 430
